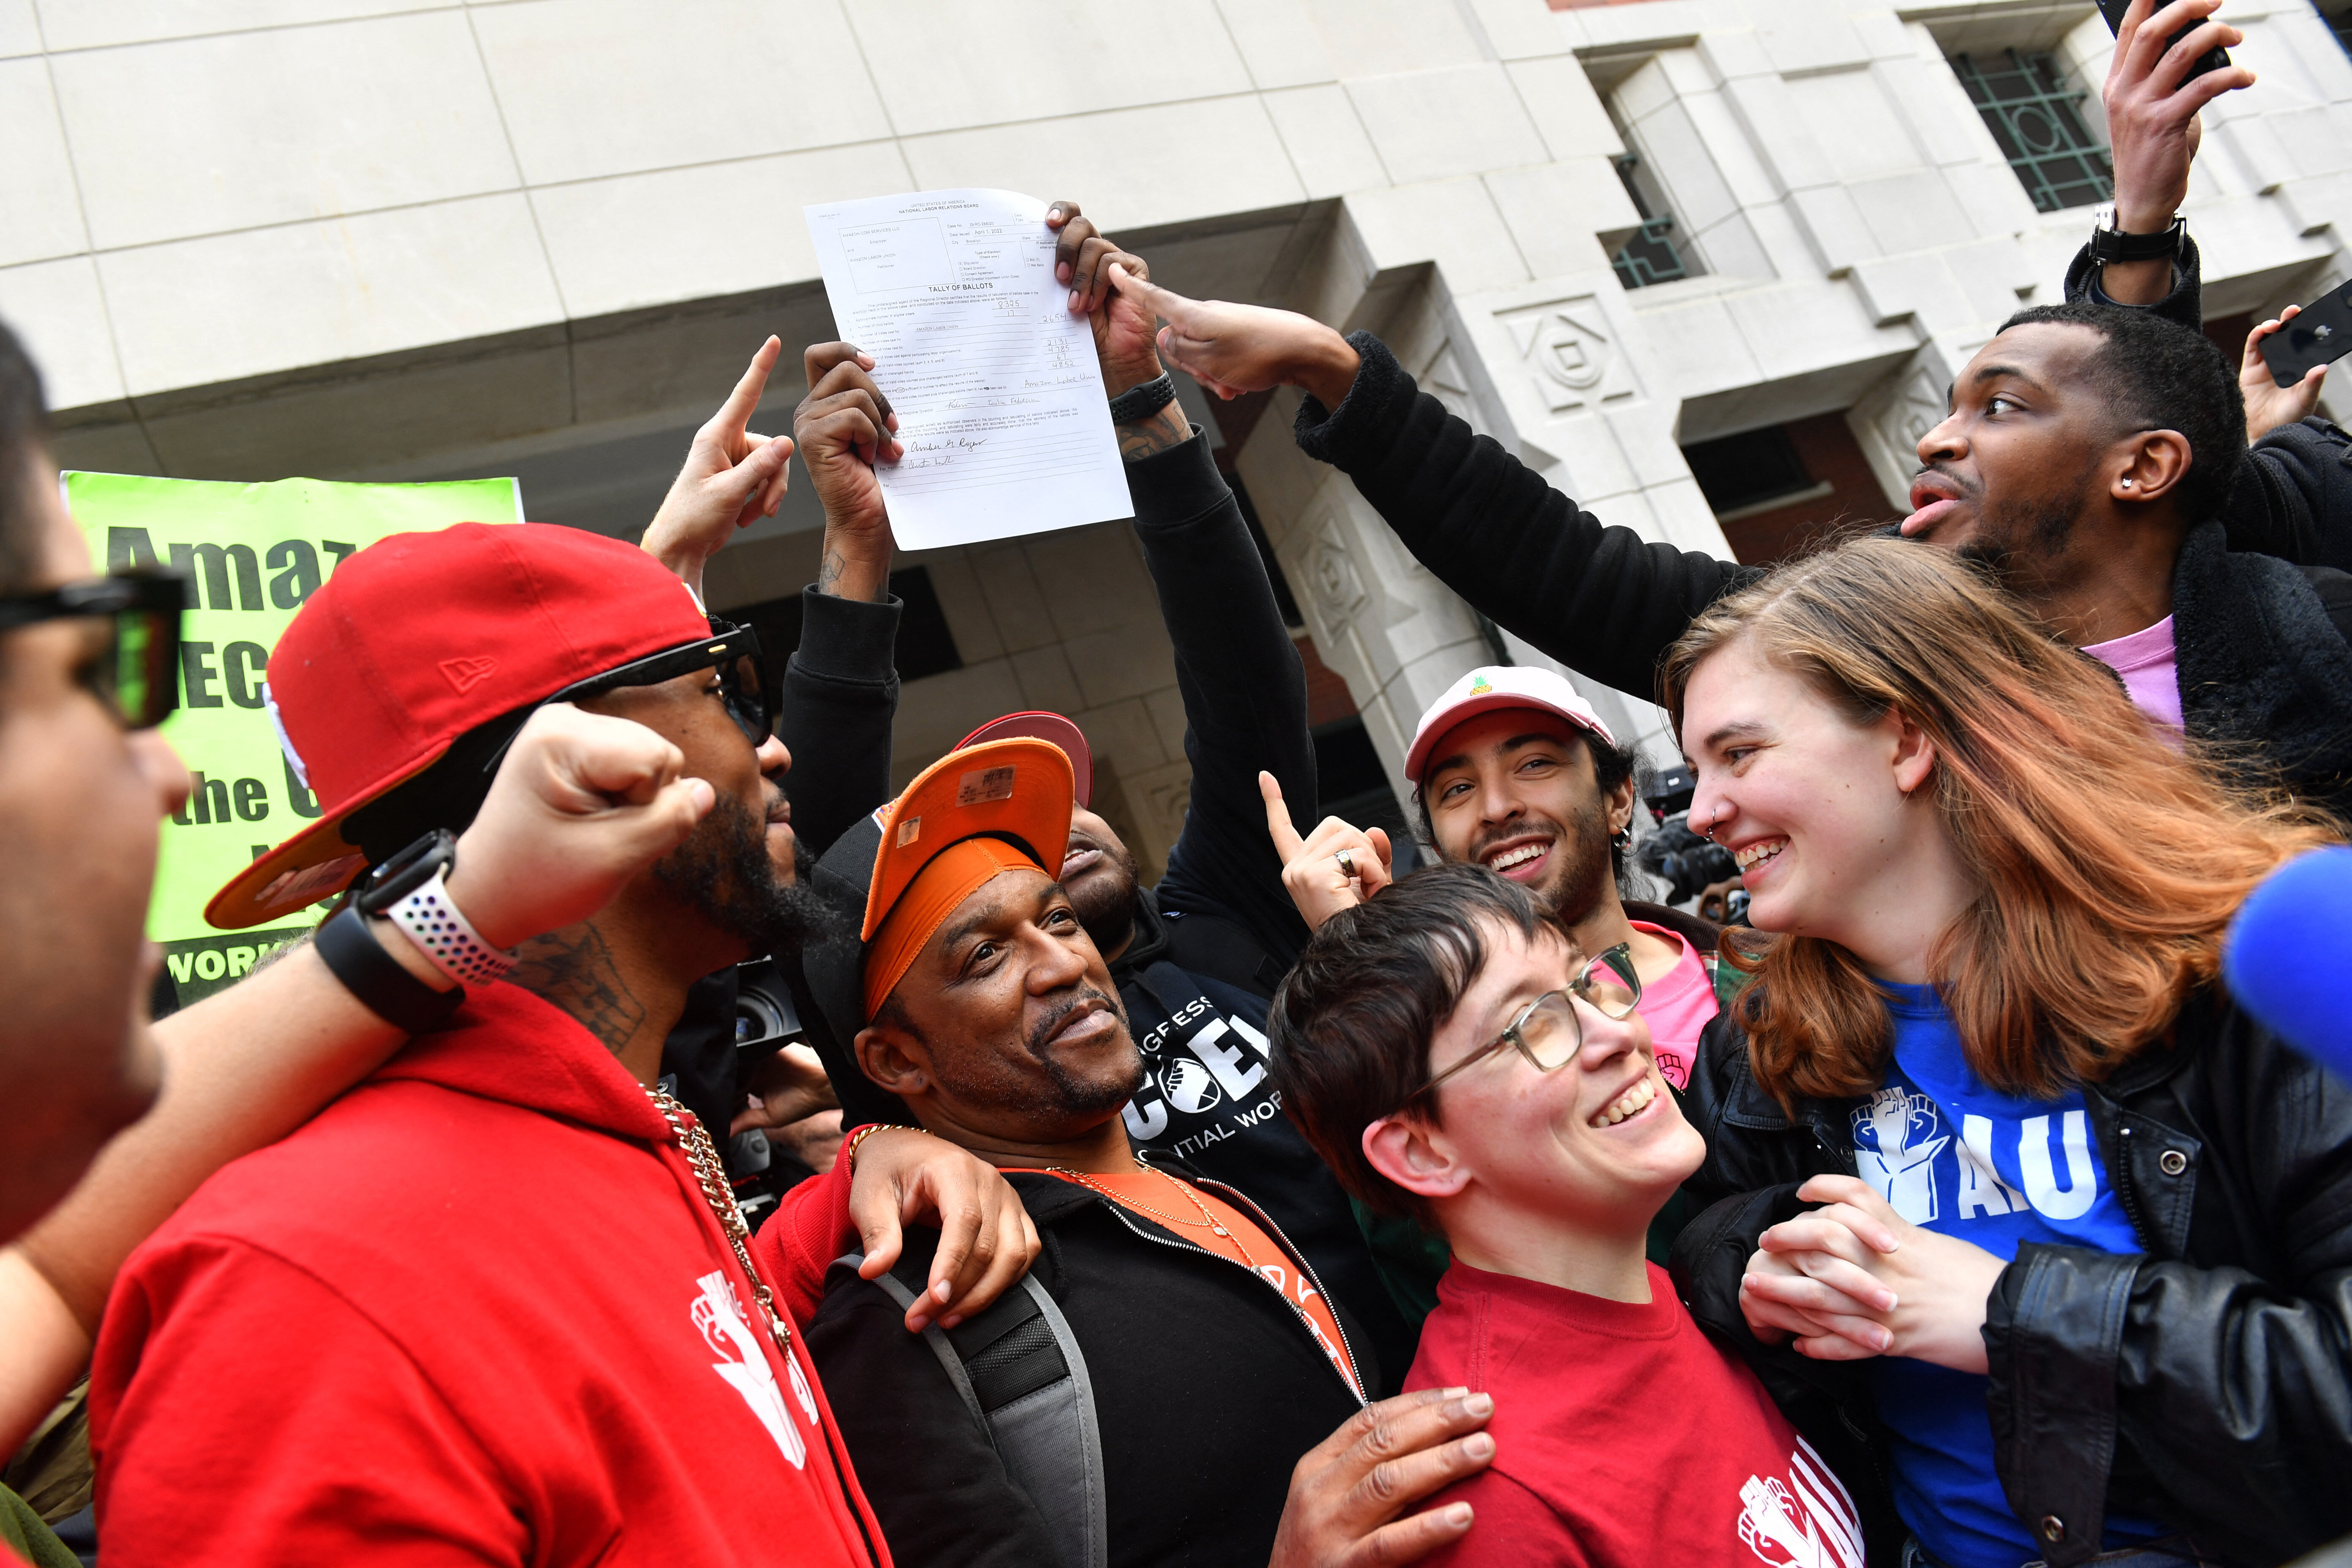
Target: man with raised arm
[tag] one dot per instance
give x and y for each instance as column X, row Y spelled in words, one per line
column 2294, row 497
column 1195, row 959
column 2087, row 460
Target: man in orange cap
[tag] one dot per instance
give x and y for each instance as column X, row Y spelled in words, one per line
column 1194, row 961
column 1205, row 1353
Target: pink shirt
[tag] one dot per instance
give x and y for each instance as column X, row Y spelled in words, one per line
column 1676, row 1008
column 2151, row 674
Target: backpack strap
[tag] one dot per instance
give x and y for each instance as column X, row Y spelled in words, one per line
column 845, row 1268
column 1018, row 1369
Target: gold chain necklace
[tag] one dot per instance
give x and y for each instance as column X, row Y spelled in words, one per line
column 695, row 1139
column 1191, row 1196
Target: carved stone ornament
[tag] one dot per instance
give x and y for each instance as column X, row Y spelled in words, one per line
column 1571, row 352
column 1916, row 408
column 1444, row 381
column 1340, row 591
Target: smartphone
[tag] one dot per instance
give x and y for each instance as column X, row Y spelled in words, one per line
column 2320, row 334
column 2212, row 60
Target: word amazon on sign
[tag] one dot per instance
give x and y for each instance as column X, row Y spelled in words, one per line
column 253, row 554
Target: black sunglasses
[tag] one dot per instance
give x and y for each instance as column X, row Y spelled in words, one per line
column 732, row 650
column 137, row 675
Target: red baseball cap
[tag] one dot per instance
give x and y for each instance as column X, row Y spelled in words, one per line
column 1040, row 725
column 1491, row 687
column 417, row 639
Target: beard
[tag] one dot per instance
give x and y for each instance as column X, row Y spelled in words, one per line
column 723, row 871
column 984, row 1077
column 1105, row 901
column 2018, row 539
column 1584, row 870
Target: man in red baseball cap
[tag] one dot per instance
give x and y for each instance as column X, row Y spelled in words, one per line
column 416, row 1357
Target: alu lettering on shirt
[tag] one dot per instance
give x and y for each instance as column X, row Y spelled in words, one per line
column 1900, row 1139
column 718, row 1315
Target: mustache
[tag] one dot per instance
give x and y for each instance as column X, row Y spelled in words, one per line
column 1958, row 483
column 1053, row 1020
column 1529, row 823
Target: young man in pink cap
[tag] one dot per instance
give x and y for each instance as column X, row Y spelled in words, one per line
column 1513, row 771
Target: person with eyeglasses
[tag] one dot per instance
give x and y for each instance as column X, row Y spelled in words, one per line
column 1457, row 1060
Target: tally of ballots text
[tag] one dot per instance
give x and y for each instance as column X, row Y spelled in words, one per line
column 1000, row 400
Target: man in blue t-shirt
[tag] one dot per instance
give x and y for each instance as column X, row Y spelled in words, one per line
column 1952, row 1154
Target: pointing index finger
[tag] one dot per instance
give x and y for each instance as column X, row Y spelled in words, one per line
column 736, row 412
column 1287, row 842
column 1169, row 307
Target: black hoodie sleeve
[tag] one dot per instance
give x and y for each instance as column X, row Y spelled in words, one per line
column 1603, row 601
column 1244, row 692
column 840, row 694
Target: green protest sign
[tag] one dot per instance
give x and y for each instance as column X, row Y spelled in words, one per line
column 252, row 553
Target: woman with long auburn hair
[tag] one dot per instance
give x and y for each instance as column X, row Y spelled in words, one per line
column 2081, row 1272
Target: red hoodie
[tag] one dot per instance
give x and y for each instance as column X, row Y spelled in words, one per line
column 478, row 1311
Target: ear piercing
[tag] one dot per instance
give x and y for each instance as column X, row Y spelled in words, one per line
column 2126, row 484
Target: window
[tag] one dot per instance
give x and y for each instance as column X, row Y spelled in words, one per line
column 1649, row 257
column 1354, row 785
column 1748, row 471
column 2031, row 112
column 926, row 646
column 2339, row 22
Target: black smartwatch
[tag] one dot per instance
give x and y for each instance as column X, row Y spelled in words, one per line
column 2109, row 243
column 1144, row 401
column 355, row 957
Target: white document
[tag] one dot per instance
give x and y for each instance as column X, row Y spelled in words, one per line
column 999, row 398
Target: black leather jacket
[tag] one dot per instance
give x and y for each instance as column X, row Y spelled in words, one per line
column 2206, row 1380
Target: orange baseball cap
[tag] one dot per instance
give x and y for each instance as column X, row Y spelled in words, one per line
column 1014, row 794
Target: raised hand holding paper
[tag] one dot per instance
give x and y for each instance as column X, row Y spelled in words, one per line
column 1000, row 406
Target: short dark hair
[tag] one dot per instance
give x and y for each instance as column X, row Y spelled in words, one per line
column 24, row 452
column 1611, row 766
column 2160, row 375
column 1351, row 1024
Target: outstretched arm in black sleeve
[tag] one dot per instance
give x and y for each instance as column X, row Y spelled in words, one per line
column 1603, row 601
column 1244, row 686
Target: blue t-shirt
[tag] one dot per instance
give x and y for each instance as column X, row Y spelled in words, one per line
column 1955, row 1156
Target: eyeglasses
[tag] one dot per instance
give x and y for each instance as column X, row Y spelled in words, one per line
column 137, row 674
column 1548, row 1032
column 732, row 650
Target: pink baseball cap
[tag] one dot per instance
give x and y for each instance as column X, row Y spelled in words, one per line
column 1494, row 686
column 1053, row 728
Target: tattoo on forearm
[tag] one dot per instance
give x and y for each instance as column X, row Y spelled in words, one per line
column 828, row 573
column 1154, row 433
column 575, row 971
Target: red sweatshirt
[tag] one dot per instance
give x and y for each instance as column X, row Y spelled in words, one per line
column 477, row 1312
column 1623, row 1436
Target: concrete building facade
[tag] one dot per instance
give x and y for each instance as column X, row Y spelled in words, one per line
column 1708, row 265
